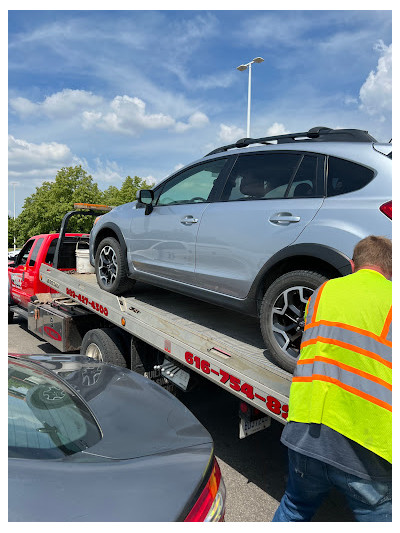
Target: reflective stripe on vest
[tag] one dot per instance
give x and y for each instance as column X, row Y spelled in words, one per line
column 357, row 340
column 360, row 383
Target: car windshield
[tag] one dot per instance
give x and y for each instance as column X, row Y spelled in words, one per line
column 46, row 420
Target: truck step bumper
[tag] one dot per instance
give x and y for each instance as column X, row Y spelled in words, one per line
column 19, row 311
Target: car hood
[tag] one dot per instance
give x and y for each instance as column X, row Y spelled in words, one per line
column 137, row 417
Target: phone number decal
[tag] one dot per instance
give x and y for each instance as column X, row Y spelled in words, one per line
column 273, row 405
column 85, row 301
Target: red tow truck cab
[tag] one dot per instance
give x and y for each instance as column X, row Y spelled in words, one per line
column 23, row 273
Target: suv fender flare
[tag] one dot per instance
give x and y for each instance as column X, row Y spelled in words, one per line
column 332, row 257
column 113, row 227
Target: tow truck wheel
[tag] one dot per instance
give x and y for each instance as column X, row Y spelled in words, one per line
column 111, row 267
column 282, row 315
column 10, row 316
column 104, row 345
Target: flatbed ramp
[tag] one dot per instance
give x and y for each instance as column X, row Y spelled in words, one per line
column 223, row 346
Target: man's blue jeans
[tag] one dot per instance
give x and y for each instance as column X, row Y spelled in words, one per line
column 310, row 481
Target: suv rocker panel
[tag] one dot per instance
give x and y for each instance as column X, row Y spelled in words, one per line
column 250, row 305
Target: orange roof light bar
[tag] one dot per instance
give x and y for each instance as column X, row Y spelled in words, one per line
column 94, row 207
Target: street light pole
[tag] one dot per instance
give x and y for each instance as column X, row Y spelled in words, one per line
column 248, row 102
column 245, row 67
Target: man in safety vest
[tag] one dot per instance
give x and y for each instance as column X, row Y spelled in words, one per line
column 339, row 430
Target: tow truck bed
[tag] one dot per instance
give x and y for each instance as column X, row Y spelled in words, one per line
column 223, row 346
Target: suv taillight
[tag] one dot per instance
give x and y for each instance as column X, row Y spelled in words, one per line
column 387, row 209
column 210, row 507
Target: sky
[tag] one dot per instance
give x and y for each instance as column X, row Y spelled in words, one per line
column 144, row 93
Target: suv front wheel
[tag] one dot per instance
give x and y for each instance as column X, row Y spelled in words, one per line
column 111, row 267
column 282, row 314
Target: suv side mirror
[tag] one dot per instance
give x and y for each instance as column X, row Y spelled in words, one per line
column 146, row 197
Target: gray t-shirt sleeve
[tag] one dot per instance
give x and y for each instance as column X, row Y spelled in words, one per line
column 327, row 445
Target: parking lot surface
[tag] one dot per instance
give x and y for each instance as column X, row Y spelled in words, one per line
column 254, row 469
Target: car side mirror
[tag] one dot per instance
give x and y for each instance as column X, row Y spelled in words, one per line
column 146, row 197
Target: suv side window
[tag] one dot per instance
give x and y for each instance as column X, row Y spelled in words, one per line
column 193, row 185
column 345, row 176
column 272, row 176
column 35, row 252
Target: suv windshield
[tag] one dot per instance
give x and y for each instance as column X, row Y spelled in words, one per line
column 46, row 420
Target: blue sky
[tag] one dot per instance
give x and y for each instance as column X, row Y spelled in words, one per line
column 146, row 92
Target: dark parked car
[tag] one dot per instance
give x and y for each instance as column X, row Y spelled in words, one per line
column 94, row 442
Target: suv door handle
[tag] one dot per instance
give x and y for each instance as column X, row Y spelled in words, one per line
column 189, row 220
column 284, row 219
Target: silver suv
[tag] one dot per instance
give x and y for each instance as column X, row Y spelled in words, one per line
column 255, row 226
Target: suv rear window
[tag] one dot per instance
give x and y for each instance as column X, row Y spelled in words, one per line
column 345, row 176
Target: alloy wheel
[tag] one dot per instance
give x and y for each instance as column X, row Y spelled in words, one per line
column 287, row 318
column 108, row 266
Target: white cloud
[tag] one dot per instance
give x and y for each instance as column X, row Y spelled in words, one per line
column 61, row 104
column 276, row 129
column 230, row 134
column 108, row 172
column 350, row 100
column 151, row 180
column 28, row 161
column 69, row 101
column 128, row 115
column 124, row 114
column 376, row 92
column 197, row 120
column 23, row 107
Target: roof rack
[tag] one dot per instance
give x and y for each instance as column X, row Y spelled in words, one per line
column 317, row 134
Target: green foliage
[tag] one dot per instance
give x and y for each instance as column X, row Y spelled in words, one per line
column 127, row 192
column 44, row 210
column 10, row 232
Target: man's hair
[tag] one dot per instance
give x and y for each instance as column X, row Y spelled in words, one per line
column 373, row 251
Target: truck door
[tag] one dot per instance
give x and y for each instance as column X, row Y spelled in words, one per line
column 18, row 282
column 30, row 278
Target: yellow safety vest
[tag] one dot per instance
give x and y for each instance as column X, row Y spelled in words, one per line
column 343, row 378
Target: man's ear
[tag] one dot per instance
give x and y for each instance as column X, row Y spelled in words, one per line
column 352, row 265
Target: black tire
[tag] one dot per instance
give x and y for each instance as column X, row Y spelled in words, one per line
column 111, row 267
column 10, row 316
column 282, row 314
column 104, row 345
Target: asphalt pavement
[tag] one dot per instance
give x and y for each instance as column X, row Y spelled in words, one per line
column 254, row 468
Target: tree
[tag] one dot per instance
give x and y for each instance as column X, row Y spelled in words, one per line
column 127, row 192
column 43, row 211
column 10, row 232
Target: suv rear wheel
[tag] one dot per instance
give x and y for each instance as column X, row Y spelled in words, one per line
column 282, row 314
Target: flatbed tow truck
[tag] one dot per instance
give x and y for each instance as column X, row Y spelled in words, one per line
column 166, row 336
